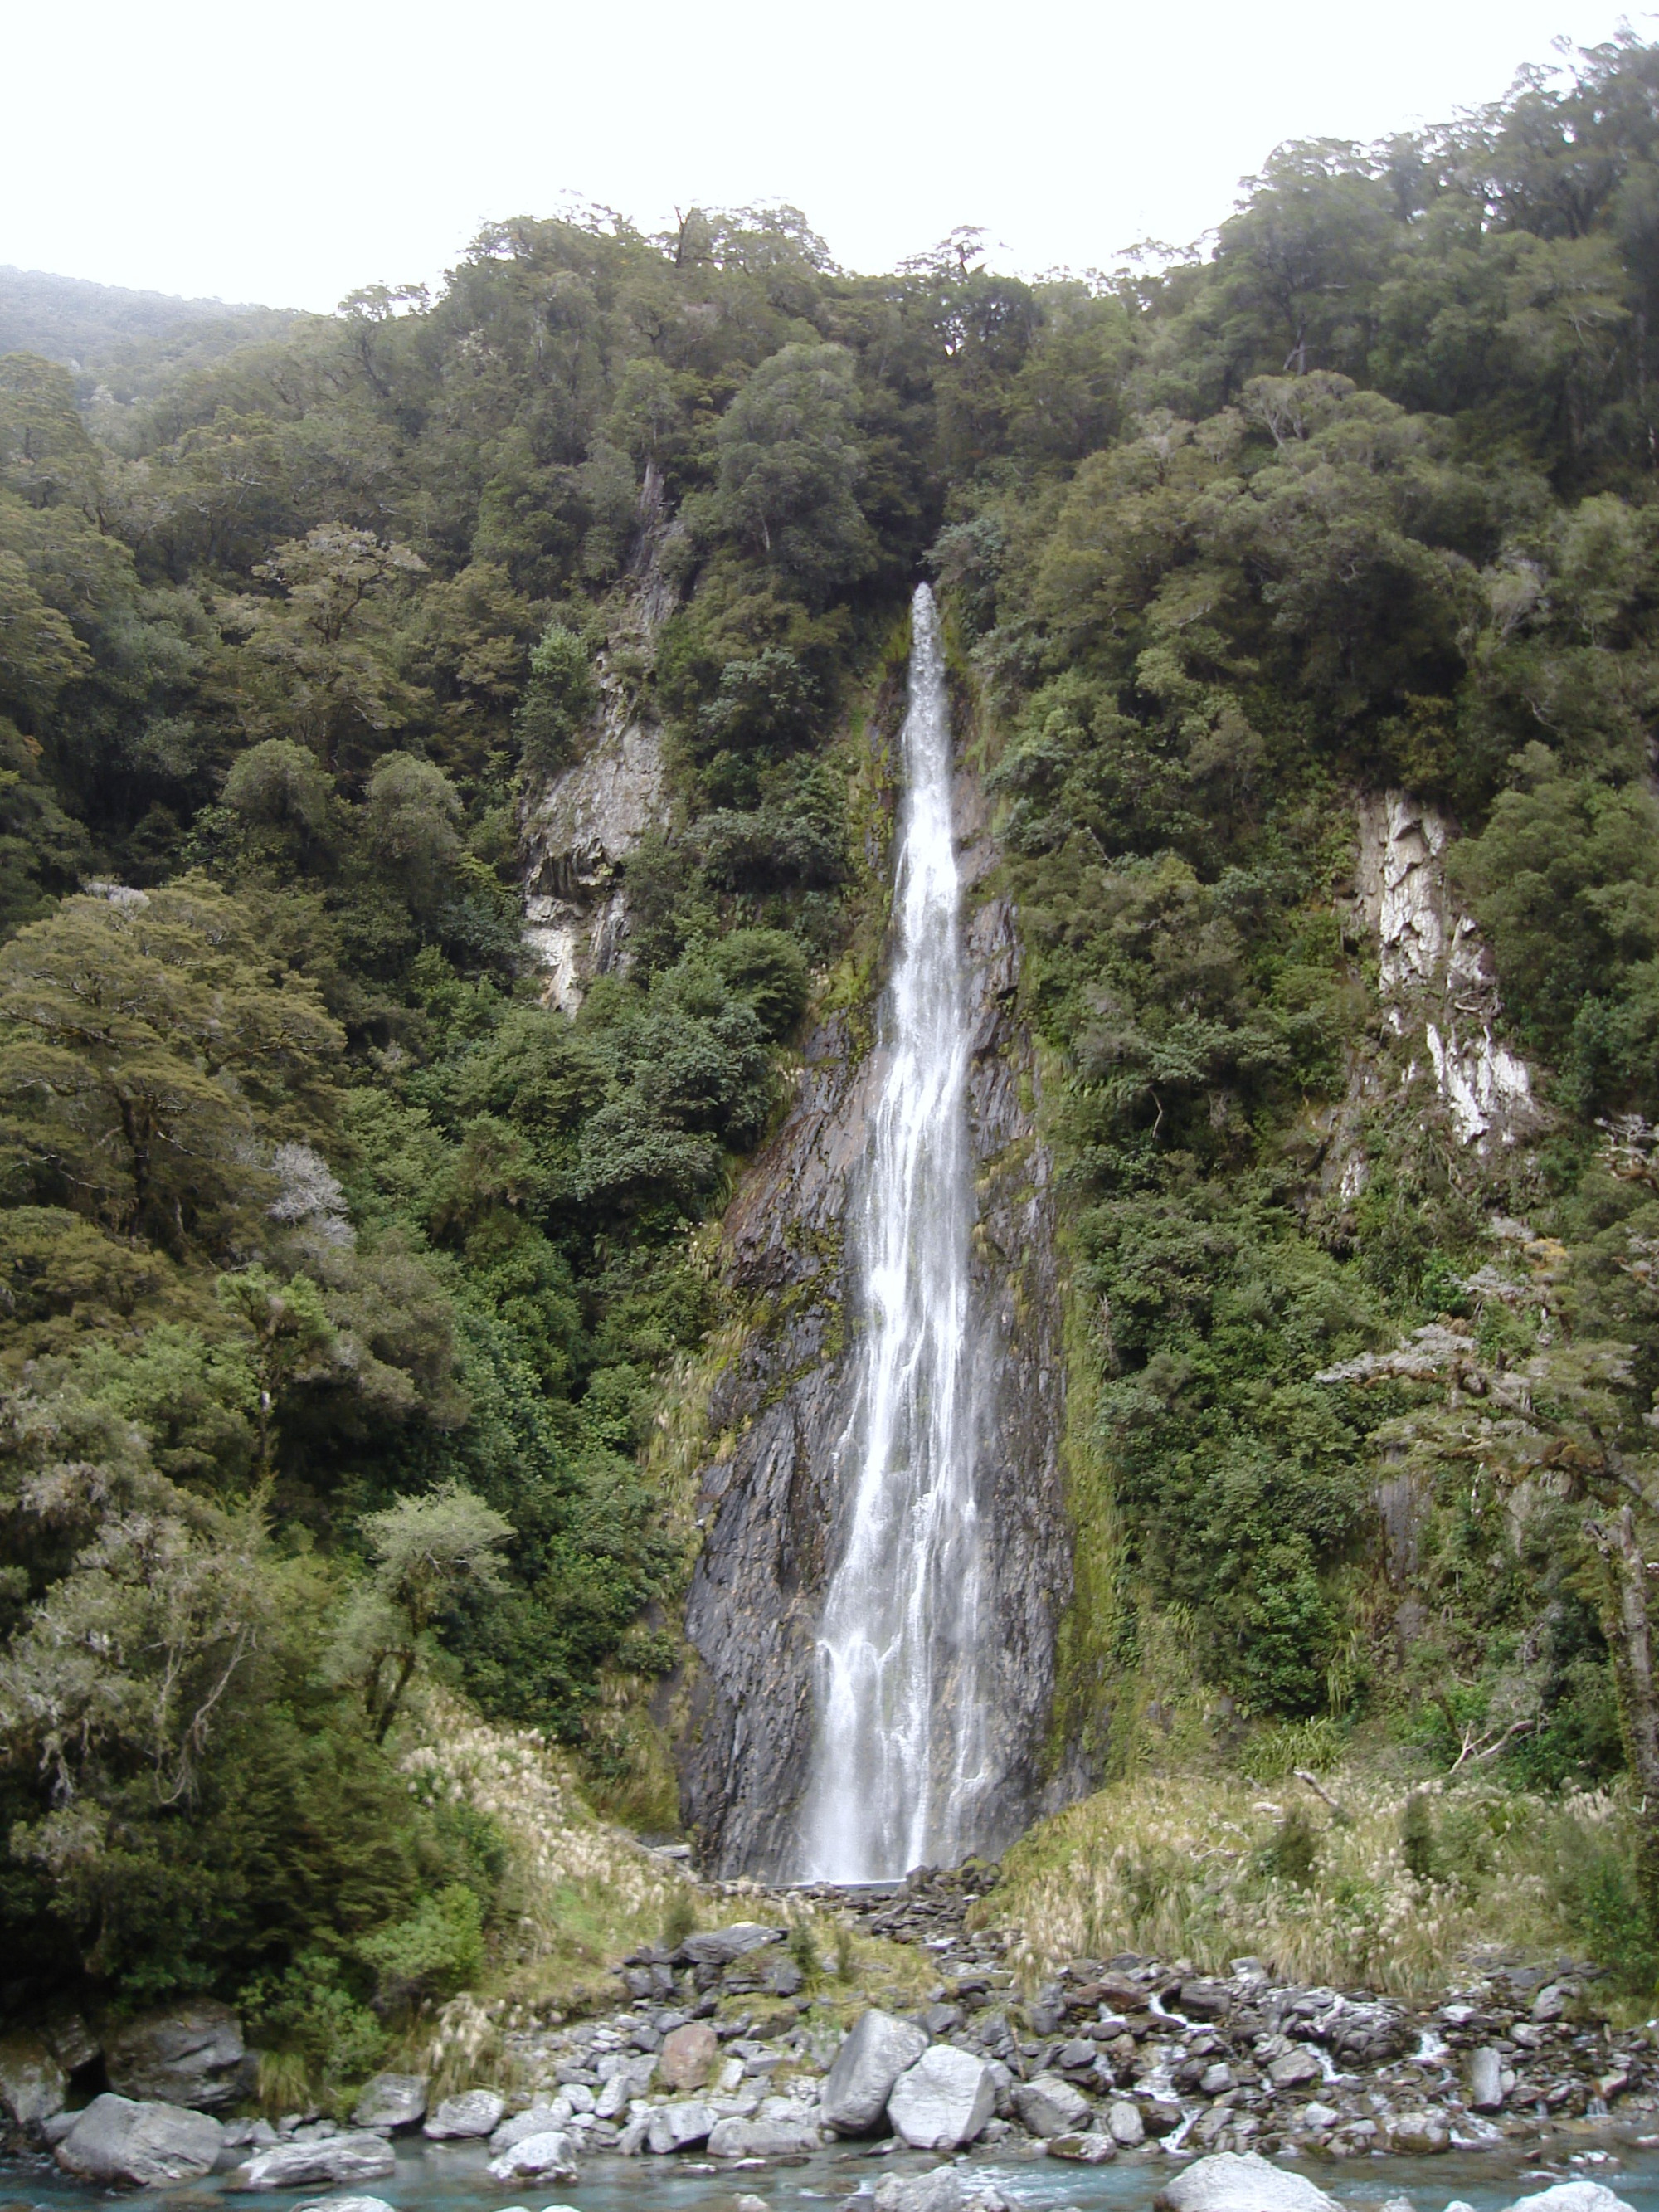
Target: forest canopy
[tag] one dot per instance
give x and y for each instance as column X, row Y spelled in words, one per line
column 339, row 1272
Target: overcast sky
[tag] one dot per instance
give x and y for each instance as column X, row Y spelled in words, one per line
column 287, row 154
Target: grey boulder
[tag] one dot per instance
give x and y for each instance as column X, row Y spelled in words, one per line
column 719, row 1946
column 547, row 2156
column 474, row 2112
column 1124, row 2124
column 1296, row 2069
column 191, row 2054
column 392, row 2100
column 677, row 2127
column 733, row 2137
column 361, row 2157
column 136, row 2143
column 946, row 2189
column 343, row 2204
column 1240, row 2181
column 1049, row 2106
column 1086, row 2149
column 537, row 2121
column 33, row 2084
column 1486, row 2080
column 1572, row 2197
column 944, row 2100
column 867, row 2066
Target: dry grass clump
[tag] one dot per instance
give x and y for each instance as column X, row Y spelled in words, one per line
column 1212, row 1867
column 578, row 1892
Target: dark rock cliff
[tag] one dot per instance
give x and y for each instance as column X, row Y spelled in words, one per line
column 773, row 1516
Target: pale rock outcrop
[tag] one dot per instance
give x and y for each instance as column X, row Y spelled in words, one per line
column 1436, row 976
column 868, row 2064
column 944, row 2100
column 139, row 2144
column 577, row 838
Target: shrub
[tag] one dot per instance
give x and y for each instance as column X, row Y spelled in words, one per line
column 436, row 1951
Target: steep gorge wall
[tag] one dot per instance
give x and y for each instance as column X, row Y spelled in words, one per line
column 769, row 1496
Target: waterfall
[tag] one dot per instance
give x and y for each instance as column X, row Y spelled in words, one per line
column 900, row 1752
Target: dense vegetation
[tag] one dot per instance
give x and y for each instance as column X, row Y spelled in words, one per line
column 335, row 1271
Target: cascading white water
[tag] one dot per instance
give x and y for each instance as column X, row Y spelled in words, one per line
column 900, row 1748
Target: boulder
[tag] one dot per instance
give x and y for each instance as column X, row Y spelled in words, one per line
column 139, row 2144
column 867, row 2066
column 33, row 2085
column 688, row 2056
column 1572, row 2197
column 719, row 1946
column 946, row 2189
column 677, row 2127
column 1205, row 2000
column 1119, row 1994
column 391, row 2101
column 72, row 2043
column 474, row 2112
column 1084, row 2149
column 360, row 2157
column 1486, row 2079
column 343, row 2204
column 1159, row 2116
column 944, row 2100
column 1296, row 2069
column 548, row 2156
column 1418, row 2133
column 1051, row 2106
column 190, row 2054
column 1240, row 2181
column 762, row 2138
column 1125, row 2123
column 535, row 2121
column 623, row 2075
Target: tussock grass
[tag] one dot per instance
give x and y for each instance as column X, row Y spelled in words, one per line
column 578, row 1892
column 1198, row 1867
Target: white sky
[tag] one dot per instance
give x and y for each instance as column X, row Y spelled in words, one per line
column 287, row 153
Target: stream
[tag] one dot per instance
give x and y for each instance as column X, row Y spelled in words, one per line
column 453, row 2178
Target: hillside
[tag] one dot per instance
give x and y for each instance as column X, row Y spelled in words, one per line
column 390, row 1303
column 124, row 340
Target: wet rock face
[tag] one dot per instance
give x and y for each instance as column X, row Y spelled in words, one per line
column 773, row 1520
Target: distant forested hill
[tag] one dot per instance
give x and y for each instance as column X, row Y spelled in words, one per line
column 117, row 337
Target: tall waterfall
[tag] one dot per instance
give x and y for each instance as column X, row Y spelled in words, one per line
column 900, row 1748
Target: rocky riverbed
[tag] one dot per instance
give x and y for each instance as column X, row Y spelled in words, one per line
column 734, row 2050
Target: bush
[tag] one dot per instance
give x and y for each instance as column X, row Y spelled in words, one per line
column 438, row 1950
column 558, row 699
column 769, row 969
